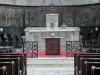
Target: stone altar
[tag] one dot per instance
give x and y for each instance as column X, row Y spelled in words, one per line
column 51, row 30
column 37, row 34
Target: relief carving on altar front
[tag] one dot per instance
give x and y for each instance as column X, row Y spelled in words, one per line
column 53, row 46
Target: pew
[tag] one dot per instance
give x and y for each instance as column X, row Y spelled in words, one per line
column 23, row 64
column 89, row 66
column 17, row 63
column 10, row 67
column 95, row 70
column 6, row 49
column 3, row 70
column 77, row 60
column 83, row 62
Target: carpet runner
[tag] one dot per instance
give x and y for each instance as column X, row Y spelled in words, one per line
column 41, row 53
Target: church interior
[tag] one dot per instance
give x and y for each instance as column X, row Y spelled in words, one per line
column 49, row 37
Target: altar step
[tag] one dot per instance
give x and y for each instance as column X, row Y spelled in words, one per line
column 50, row 62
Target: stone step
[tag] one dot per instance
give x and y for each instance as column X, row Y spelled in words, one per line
column 50, row 71
column 48, row 62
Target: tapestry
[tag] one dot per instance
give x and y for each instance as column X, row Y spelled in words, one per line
column 35, row 16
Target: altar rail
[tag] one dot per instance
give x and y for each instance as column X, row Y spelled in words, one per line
column 81, row 46
column 73, row 47
column 20, row 47
column 31, row 47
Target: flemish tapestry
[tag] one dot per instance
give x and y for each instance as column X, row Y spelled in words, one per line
column 88, row 16
column 11, row 16
column 36, row 16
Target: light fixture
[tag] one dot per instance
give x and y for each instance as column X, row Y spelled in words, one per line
column 1, row 29
column 91, row 31
column 96, row 28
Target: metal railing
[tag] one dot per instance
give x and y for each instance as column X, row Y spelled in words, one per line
column 31, row 48
column 28, row 47
column 70, row 45
column 73, row 47
column 81, row 46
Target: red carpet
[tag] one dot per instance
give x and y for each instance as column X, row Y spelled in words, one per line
column 41, row 53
